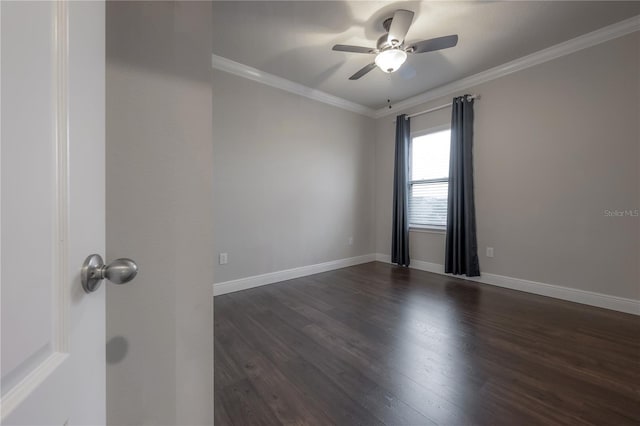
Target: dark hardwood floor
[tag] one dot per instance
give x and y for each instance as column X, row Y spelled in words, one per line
column 375, row 344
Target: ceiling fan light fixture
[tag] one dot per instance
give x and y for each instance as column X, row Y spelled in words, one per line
column 390, row 60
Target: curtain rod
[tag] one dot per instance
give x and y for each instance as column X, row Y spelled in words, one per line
column 438, row 108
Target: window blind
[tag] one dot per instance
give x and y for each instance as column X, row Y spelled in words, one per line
column 428, row 203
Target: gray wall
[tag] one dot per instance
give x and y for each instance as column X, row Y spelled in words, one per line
column 555, row 146
column 159, row 209
column 293, row 179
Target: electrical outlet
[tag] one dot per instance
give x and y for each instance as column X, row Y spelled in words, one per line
column 350, row 241
column 489, row 251
column 223, row 258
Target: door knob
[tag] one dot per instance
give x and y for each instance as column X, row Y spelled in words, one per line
column 94, row 270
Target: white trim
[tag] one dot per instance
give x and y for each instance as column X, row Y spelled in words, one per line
column 584, row 41
column 30, row 383
column 599, row 300
column 61, row 248
column 621, row 304
column 288, row 274
column 630, row 306
column 241, row 70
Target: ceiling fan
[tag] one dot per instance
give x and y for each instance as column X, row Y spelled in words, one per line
column 391, row 51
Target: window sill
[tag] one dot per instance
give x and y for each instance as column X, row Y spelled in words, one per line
column 428, row 229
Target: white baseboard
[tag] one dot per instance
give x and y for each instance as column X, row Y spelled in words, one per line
column 599, row 300
column 288, row 274
column 630, row 306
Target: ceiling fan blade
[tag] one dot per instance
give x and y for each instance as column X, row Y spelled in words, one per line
column 399, row 26
column 363, row 71
column 353, row 49
column 434, row 44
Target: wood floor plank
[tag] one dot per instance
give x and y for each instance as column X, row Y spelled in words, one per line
column 378, row 344
column 427, row 401
column 373, row 360
column 311, row 377
column 244, row 406
column 381, row 403
column 263, row 365
column 321, row 394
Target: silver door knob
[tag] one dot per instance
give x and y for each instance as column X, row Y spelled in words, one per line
column 94, row 270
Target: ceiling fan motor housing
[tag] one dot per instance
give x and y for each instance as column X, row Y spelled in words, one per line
column 383, row 42
column 386, row 24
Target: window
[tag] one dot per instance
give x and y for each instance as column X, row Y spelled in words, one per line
column 429, row 179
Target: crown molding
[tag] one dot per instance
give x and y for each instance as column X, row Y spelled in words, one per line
column 584, row 41
column 223, row 64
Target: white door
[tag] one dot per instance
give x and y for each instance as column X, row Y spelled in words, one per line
column 52, row 212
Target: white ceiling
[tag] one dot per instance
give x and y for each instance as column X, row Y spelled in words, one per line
column 293, row 39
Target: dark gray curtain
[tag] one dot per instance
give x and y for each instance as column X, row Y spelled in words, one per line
column 462, row 247
column 400, row 237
